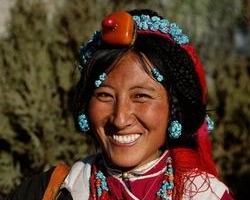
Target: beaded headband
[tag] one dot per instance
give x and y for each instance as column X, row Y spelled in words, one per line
column 120, row 29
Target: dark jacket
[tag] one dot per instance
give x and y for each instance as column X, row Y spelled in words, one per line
column 33, row 188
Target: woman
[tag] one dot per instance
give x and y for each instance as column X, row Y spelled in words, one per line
column 142, row 98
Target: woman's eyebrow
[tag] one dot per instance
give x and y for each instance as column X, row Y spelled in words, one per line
column 144, row 87
column 105, row 85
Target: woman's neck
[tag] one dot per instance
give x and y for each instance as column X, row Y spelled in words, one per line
column 132, row 171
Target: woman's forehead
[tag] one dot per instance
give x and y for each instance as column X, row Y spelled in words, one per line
column 132, row 64
column 130, row 72
column 135, row 58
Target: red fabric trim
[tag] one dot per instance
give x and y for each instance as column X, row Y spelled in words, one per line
column 198, row 68
column 227, row 196
column 205, row 151
column 159, row 33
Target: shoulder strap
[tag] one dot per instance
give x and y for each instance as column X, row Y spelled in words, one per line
column 59, row 174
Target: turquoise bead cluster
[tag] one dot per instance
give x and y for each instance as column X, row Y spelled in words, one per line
column 175, row 129
column 83, row 122
column 102, row 185
column 102, row 77
column 155, row 23
column 210, row 123
column 166, row 190
column 156, row 74
column 89, row 48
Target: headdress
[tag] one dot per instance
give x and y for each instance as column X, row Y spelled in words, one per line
column 121, row 28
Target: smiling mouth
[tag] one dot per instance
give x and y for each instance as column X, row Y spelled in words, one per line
column 125, row 139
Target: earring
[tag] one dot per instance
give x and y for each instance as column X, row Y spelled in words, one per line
column 175, row 129
column 210, row 124
column 83, row 123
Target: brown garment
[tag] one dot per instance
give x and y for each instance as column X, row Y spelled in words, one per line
column 57, row 177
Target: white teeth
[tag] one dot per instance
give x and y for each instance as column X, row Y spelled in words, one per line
column 125, row 139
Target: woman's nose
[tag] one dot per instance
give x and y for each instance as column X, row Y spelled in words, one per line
column 123, row 115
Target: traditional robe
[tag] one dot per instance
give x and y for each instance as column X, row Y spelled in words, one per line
column 142, row 184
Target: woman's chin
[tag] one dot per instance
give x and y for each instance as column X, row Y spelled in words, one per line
column 124, row 163
column 127, row 163
column 124, row 166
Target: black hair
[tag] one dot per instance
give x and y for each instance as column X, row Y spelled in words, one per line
column 181, row 80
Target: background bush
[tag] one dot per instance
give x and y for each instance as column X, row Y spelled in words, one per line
column 38, row 73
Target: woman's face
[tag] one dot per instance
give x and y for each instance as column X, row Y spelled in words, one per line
column 129, row 114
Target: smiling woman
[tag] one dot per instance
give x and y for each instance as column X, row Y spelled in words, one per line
column 123, row 114
column 142, row 98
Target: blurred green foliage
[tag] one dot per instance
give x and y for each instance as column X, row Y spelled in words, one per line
column 37, row 67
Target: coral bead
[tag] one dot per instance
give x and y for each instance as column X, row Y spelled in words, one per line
column 171, row 177
column 98, row 182
column 104, row 195
column 169, row 192
column 109, row 23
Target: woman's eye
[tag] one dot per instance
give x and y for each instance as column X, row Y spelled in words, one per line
column 142, row 96
column 103, row 96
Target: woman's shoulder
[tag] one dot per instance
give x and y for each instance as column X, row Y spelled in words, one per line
column 82, row 166
column 35, row 186
column 77, row 181
column 32, row 187
column 205, row 186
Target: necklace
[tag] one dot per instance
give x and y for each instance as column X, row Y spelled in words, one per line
column 100, row 189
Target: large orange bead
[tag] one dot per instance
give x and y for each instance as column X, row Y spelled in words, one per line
column 118, row 29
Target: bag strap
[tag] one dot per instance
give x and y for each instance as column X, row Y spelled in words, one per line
column 59, row 174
